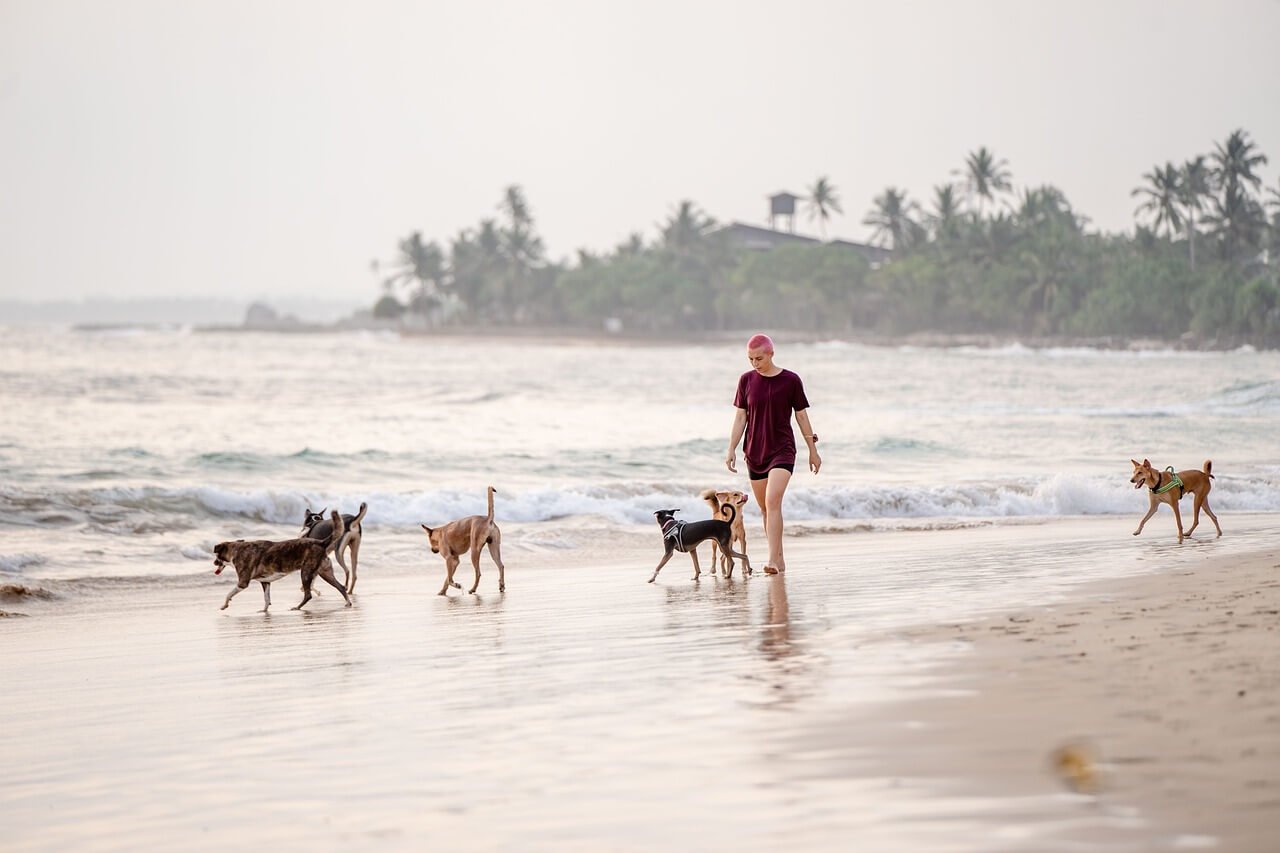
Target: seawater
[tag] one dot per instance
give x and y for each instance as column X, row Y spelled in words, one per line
column 131, row 452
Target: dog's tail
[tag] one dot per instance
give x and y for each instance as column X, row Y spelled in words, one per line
column 491, row 491
column 1208, row 468
column 727, row 505
column 713, row 500
column 341, row 532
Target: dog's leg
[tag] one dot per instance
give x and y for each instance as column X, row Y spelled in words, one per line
column 716, row 557
column 663, row 562
column 354, row 547
column 239, row 589
column 495, row 551
column 1177, row 517
column 697, row 570
column 1212, row 517
column 326, row 572
column 307, row 577
column 476, row 544
column 1196, row 500
column 450, row 564
column 337, row 555
column 266, row 596
column 746, row 564
column 1155, row 504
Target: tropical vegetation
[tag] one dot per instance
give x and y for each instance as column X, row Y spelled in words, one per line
column 982, row 255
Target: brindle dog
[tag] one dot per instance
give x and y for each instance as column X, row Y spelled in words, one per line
column 265, row 561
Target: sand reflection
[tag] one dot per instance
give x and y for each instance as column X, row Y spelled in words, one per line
column 787, row 672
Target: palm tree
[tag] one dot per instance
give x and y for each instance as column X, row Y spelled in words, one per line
column 630, row 247
column 945, row 215
column 822, row 200
column 521, row 248
column 1195, row 189
column 1237, row 220
column 1163, row 193
column 423, row 264
column 1235, row 161
column 686, row 229
column 985, row 176
column 892, row 219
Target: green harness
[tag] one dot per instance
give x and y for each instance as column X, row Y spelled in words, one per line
column 1175, row 482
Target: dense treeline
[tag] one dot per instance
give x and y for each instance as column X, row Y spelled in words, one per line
column 981, row 257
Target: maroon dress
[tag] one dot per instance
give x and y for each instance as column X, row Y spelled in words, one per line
column 769, row 401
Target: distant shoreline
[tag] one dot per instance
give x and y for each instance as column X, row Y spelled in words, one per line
column 579, row 335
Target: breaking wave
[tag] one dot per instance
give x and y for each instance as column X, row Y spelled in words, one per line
column 131, row 510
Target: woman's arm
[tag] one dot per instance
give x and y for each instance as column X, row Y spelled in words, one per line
column 735, row 435
column 806, row 430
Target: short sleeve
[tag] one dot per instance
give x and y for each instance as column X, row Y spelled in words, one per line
column 740, row 398
column 799, row 401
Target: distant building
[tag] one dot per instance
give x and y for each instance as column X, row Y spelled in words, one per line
column 783, row 204
column 758, row 239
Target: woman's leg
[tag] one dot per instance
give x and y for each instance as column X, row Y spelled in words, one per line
column 758, row 488
column 775, row 488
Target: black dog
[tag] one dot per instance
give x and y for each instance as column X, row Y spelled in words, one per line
column 686, row 535
column 316, row 526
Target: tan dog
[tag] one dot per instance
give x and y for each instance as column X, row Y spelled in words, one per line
column 265, row 561
column 718, row 500
column 468, row 534
column 1163, row 488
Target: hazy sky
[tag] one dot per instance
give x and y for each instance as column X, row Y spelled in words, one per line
column 251, row 149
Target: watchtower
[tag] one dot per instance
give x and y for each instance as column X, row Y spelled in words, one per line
column 783, row 204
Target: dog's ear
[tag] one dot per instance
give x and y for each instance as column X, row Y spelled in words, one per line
column 428, row 529
column 722, row 496
column 1135, row 463
column 1146, row 463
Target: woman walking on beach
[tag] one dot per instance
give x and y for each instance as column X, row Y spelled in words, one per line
column 767, row 395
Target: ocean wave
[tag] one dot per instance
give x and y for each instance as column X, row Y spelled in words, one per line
column 1261, row 398
column 130, row 510
column 16, row 563
column 239, row 460
column 892, row 445
column 21, row 592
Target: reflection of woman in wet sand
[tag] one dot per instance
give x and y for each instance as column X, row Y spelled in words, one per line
column 776, row 642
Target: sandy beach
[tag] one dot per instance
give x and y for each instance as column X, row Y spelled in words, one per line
column 1156, row 698
column 586, row 709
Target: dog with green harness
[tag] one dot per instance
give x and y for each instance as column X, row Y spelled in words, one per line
column 1169, row 486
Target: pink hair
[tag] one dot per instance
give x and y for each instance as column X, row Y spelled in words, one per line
column 763, row 342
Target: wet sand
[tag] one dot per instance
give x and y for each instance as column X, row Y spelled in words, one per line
column 1157, row 696
column 586, row 709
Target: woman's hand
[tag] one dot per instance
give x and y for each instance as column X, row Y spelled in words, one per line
column 815, row 461
column 731, row 461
